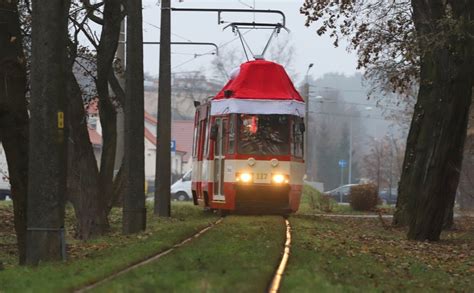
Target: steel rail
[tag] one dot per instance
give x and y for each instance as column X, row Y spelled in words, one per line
column 148, row 260
column 276, row 281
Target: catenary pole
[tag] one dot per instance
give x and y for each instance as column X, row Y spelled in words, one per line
column 163, row 135
column 134, row 212
column 48, row 126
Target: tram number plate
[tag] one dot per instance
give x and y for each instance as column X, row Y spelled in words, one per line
column 261, row 176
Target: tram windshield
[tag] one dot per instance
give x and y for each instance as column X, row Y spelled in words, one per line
column 264, row 134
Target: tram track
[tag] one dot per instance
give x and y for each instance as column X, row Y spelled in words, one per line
column 280, row 270
column 147, row 260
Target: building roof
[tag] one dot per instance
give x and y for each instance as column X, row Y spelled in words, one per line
column 181, row 132
column 94, row 137
column 150, row 118
column 152, row 138
column 92, row 106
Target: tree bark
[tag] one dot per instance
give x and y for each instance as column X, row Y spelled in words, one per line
column 14, row 115
column 134, row 212
column 466, row 184
column 436, row 139
column 47, row 172
column 83, row 188
column 108, row 116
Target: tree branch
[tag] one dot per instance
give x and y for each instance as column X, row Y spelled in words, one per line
column 117, row 88
column 81, row 27
column 91, row 8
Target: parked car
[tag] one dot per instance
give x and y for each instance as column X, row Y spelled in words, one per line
column 5, row 194
column 340, row 194
column 388, row 197
column 181, row 189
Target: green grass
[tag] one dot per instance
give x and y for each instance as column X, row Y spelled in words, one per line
column 348, row 255
column 5, row 203
column 98, row 258
column 312, row 203
column 238, row 255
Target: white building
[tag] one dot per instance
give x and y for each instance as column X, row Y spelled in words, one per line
column 4, row 182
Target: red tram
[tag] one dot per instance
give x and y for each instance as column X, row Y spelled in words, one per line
column 248, row 143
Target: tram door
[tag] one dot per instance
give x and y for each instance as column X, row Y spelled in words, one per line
column 219, row 160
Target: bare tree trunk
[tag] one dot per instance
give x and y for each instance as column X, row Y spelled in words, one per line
column 108, row 116
column 134, row 212
column 435, row 143
column 83, row 188
column 47, row 171
column 466, row 184
column 14, row 115
column 120, row 186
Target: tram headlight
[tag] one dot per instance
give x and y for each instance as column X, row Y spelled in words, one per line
column 280, row 178
column 244, row 177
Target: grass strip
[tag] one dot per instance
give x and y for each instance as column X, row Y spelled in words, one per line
column 238, row 255
column 358, row 255
column 107, row 254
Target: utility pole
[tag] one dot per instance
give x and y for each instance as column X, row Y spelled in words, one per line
column 306, row 120
column 48, row 138
column 134, row 211
column 162, row 206
column 350, row 151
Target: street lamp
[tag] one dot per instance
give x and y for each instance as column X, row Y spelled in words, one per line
column 350, row 145
column 306, row 120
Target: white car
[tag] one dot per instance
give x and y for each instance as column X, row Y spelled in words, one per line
column 181, row 189
column 5, row 191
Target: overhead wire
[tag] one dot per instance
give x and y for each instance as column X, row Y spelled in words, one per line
column 194, row 54
column 176, row 35
column 209, row 52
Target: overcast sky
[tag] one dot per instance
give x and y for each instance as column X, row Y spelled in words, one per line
column 203, row 27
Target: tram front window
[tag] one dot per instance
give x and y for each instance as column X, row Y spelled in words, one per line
column 264, row 134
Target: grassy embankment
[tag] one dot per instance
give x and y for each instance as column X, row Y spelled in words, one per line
column 313, row 202
column 239, row 255
column 93, row 260
column 360, row 255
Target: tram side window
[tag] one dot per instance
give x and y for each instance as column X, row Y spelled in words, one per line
column 195, row 139
column 298, row 138
column 231, row 146
column 206, row 140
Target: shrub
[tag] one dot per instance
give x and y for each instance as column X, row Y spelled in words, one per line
column 318, row 202
column 363, row 197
